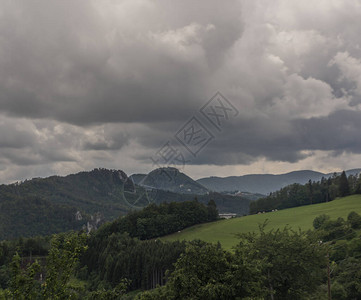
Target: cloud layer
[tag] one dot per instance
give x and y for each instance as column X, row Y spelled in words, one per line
column 106, row 83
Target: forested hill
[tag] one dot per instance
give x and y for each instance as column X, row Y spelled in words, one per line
column 295, row 194
column 170, row 179
column 48, row 205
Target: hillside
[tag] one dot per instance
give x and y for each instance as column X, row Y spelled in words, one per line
column 137, row 178
column 224, row 231
column 263, row 183
column 35, row 216
column 94, row 191
column 48, row 205
column 225, row 203
column 170, row 179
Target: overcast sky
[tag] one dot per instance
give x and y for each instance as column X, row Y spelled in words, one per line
column 87, row 84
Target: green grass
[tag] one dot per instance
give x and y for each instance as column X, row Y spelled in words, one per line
column 302, row 217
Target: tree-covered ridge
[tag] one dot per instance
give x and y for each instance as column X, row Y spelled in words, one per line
column 115, row 251
column 310, row 193
column 99, row 190
column 159, row 220
column 44, row 206
column 33, row 216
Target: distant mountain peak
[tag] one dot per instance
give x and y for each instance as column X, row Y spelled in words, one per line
column 170, row 179
column 166, row 170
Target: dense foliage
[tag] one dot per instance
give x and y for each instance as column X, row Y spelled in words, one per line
column 158, row 220
column 31, row 216
column 343, row 242
column 111, row 259
column 115, row 254
column 49, row 280
column 279, row 264
column 28, row 249
column 313, row 192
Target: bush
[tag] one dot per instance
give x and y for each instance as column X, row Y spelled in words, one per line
column 354, row 219
column 320, row 220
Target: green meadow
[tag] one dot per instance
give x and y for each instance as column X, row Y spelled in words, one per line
column 225, row 231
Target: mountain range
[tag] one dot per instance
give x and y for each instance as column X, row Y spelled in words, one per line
column 263, row 183
column 42, row 206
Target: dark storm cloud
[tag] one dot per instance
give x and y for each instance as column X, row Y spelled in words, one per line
column 80, row 64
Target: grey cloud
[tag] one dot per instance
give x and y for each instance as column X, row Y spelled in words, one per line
column 71, row 64
column 339, row 131
column 92, row 83
column 245, row 141
column 15, row 134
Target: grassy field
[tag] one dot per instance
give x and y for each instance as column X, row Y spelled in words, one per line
column 302, row 217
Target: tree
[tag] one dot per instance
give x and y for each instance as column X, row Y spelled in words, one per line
column 212, row 210
column 320, row 220
column 354, row 219
column 60, row 264
column 310, row 190
column 292, row 262
column 344, row 189
column 206, row 271
column 23, row 284
column 348, row 278
column 109, row 294
column 358, row 185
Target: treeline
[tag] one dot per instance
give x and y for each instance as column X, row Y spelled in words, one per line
column 310, row 193
column 122, row 249
column 111, row 259
column 158, row 220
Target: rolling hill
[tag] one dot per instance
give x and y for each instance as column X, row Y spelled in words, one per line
column 170, row 179
column 263, row 183
column 302, row 217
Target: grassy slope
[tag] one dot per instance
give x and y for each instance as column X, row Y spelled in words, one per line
column 300, row 217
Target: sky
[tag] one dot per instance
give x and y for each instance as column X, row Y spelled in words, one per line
column 132, row 85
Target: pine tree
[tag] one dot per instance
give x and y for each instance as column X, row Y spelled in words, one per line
column 344, row 188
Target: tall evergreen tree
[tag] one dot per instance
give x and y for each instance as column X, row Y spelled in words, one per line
column 310, row 190
column 344, row 188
